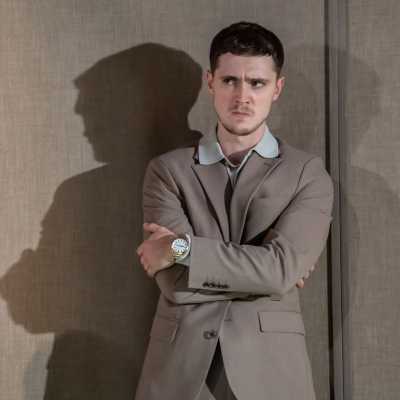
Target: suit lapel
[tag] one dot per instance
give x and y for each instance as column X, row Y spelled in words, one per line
column 214, row 180
column 253, row 174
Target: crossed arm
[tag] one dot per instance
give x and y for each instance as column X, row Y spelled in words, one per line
column 288, row 251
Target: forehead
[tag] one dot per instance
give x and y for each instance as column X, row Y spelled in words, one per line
column 232, row 64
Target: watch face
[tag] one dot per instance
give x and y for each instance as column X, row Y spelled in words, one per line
column 179, row 245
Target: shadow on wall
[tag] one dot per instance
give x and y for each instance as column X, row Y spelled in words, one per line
column 83, row 282
column 370, row 213
column 373, row 237
column 370, row 216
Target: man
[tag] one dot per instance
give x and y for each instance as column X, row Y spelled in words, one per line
column 234, row 226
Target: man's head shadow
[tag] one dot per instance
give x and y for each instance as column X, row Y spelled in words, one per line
column 136, row 103
column 83, row 282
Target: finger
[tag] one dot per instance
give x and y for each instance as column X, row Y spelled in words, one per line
column 150, row 272
column 151, row 226
column 146, row 267
column 144, row 262
column 164, row 232
column 139, row 250
column 156, row 229
column 300, row 283
column 159, row 234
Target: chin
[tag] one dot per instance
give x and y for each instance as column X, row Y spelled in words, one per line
column 242, row 130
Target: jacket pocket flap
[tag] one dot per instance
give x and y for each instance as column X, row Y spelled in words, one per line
column 281, row 321
column 164, row 328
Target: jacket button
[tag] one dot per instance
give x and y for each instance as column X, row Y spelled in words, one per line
column 210, row 334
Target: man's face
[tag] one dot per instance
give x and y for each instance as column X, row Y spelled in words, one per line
column 243, row 89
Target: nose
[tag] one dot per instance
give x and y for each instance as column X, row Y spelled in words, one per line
column 242, row 94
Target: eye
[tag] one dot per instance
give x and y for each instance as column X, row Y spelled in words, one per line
column 229, row 80
column 256, row 83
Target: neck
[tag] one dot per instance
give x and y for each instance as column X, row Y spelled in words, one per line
column 236, row 146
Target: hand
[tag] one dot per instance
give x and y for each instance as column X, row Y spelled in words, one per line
column 300, row 283
column 155, row 252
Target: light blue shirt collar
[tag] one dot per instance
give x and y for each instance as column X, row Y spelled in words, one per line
column 210, row 150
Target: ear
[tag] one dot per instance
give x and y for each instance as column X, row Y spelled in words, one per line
column 210, row 81
column 280, row 83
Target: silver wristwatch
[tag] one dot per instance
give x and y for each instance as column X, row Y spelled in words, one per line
column 180, row 247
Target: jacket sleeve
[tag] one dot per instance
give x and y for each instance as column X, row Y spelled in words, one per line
column 162, row 204
column 287, row 250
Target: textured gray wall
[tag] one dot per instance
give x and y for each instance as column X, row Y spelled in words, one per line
column 373, row 190
column 90, row 90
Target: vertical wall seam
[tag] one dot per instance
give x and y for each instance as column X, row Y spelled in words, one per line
column 336, row 45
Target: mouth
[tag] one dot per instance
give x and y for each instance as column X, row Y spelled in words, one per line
column 241, row 114
column 240, row 111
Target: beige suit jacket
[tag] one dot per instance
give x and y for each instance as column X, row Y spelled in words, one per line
column 241, row 284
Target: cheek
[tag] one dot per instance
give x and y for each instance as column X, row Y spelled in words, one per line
column 221, row 101
column 264, row 102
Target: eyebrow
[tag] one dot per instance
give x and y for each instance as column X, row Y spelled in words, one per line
column 247, row 79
